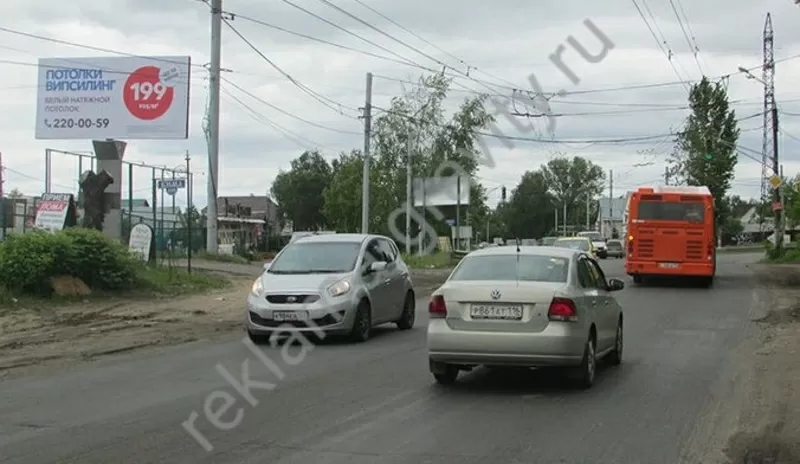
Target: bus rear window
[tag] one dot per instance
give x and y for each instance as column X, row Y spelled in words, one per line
column 671, row 211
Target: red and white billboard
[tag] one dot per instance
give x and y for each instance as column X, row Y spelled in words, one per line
column 51, row 212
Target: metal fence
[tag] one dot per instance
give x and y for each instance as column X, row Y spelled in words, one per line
column 149, row 195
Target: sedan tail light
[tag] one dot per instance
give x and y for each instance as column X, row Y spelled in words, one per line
column 563, row 309
column 437, row 309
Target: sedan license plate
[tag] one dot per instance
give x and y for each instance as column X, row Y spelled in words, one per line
column 290, row 316
column 668, row 265
column 496, row 312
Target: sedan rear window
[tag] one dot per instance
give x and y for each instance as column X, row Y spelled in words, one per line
column 529, row 268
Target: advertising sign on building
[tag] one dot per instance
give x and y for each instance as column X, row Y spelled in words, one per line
column 113, row 98
column 53, row 211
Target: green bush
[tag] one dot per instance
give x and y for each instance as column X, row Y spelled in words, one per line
column 29, row 261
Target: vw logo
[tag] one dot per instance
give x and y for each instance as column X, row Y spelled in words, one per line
column 291, row 299
column 496, row 294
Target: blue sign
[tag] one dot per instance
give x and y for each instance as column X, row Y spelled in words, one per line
column 450, row 222
column 171, row 186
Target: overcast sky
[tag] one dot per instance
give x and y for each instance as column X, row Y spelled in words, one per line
column 506, row 41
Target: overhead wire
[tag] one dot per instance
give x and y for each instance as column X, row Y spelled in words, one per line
column 692, row 47
column 431, row 44
column 328, row 102
column 666, row 51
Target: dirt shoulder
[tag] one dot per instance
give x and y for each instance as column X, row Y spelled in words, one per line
column 754, row 414
column 40, row 334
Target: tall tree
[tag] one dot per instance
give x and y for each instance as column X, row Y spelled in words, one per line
column 419, row 120
column 299, row 191
column 571, row 181
column 342, row 197
column 705, row 151
column 529, row 213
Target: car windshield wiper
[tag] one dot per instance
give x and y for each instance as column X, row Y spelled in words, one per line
column 308, row 271
column 286, row 272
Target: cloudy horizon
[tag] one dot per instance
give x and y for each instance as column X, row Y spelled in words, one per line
column 634, row 93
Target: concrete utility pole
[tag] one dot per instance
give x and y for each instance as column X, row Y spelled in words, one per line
column 212, row 215
column 666, row 175
column 365, row 178
column 409, row 179
column 588, row 205
column 611, row 197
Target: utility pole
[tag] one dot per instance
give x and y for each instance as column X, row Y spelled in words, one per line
column 3, row 198
column 212, row 216
column 365, row 175
column 588, row 205
column 768, row 156
column 409, row 179
column 611, row 197
column 778, row 196
column 666, row 175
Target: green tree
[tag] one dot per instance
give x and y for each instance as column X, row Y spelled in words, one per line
column 705, row 152
column 299, row 191
column 418, row 119
column 529, row 213
column 342, row 206
column 571, row 182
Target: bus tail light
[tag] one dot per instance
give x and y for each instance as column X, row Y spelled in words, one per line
column 711, row 249
column 630, row 245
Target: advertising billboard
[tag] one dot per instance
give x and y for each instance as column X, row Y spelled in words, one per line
column 134, row 98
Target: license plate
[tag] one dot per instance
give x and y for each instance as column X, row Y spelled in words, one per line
column 496, row 312
column 290, row 316
column 668, row 265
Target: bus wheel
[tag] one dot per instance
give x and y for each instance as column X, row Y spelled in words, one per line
column 637, row 279
column 707, row 282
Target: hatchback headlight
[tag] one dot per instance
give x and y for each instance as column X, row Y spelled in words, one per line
column 339, row 288
column 258, row 287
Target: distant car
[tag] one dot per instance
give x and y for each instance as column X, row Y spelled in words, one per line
column 576, row 243
column 541, row 306
column 548, row 241
column 340, row 284
column 598, row 241
column 615, row 249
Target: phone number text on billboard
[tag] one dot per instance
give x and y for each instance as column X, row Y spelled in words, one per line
column 113, row 98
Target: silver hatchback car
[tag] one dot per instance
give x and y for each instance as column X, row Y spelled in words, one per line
column 527, row 307
column 338, row 284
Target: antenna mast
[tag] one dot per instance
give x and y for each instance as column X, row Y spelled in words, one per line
column 767, row 148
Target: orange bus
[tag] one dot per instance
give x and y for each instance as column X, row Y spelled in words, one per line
column 671, row 231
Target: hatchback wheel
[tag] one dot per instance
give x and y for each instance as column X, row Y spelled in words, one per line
column 362, row 325
column 258, row 339
column 615, row 357
column 586, row 372
column 447, row 376
column 406, row 321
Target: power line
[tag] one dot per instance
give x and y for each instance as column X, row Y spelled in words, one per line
column 287, row 113
column 332, row 104
column 692, row 48
column 260, row 118
column 661, row 45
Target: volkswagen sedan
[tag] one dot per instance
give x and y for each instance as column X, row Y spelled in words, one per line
column 525, row 306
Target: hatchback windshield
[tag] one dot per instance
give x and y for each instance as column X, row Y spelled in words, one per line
column 316, row 258
column 529, row 268
column 582, row 245
column 593, row 236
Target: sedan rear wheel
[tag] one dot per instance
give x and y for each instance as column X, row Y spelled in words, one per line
column 615, row 357
column 585, row 373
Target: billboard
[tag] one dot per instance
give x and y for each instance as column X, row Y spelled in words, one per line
column 441, row 191
column 135, row 98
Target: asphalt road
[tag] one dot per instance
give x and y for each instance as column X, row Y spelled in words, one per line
column 377, row 403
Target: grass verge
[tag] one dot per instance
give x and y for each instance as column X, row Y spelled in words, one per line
column 174, row 282
column 434, row 261
column 220, row 258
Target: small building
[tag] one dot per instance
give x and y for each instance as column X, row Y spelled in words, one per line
column 612, row 215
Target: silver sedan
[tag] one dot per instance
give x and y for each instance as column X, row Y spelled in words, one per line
column 525, row 306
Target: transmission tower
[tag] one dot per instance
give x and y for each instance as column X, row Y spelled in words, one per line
column 768, row 79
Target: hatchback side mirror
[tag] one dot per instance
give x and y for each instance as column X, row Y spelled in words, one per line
column 615, row 285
